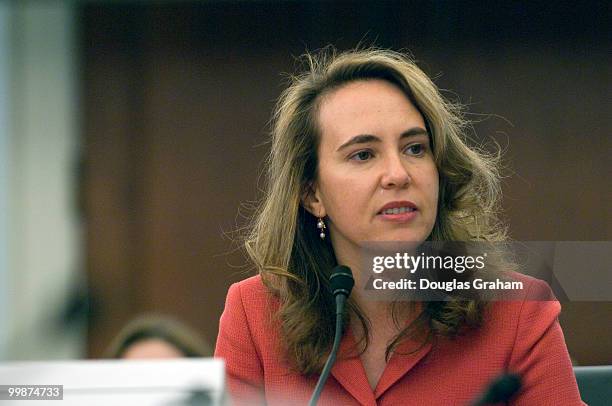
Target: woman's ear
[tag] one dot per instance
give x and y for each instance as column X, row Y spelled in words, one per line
column 311, row 200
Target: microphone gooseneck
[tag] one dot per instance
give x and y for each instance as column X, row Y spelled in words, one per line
column 341, row 282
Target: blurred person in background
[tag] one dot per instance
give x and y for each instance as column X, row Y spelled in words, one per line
column 157, row 337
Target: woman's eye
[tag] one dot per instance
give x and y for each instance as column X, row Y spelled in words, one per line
column 415, row 149
column 361, row 156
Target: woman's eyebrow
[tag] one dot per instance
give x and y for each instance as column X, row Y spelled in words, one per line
column 365, row 138
column 359, row 139
column 414, row 132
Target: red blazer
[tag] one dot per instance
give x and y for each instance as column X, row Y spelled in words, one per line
column 521, row 336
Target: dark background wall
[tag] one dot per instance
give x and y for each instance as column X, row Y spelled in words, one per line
column 176, row 98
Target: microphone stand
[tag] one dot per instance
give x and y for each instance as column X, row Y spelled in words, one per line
column 340, row 299
column 341, row 282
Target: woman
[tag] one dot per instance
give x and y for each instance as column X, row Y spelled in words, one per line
column 354, row 137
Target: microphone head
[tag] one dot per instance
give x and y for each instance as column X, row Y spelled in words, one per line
column 341, row 281
column 503, row 388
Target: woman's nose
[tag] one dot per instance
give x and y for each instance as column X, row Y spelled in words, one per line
column 395, row 174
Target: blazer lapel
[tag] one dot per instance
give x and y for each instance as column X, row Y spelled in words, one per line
column 350, row 374
column 402, row 361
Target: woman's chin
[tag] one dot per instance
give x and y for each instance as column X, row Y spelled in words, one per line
column 402, row 237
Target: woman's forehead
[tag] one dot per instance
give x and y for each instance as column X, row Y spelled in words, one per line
column 372, row 107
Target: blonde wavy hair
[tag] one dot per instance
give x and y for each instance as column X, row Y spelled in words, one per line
column 283, row 241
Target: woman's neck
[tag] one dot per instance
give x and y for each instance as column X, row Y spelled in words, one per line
column 378, row 312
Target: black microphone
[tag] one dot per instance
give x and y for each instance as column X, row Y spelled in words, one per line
column 341, row 282
column 500, row 390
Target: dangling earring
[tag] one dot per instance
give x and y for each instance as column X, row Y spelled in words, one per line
column 321, row 226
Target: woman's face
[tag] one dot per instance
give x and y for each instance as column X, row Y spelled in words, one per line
column 377, row 180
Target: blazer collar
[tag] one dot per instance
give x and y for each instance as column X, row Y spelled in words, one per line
column 349, row 372
column 408, row 354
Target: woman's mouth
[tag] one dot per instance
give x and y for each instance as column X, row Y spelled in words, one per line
column 398, row 210
column 398, row 214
